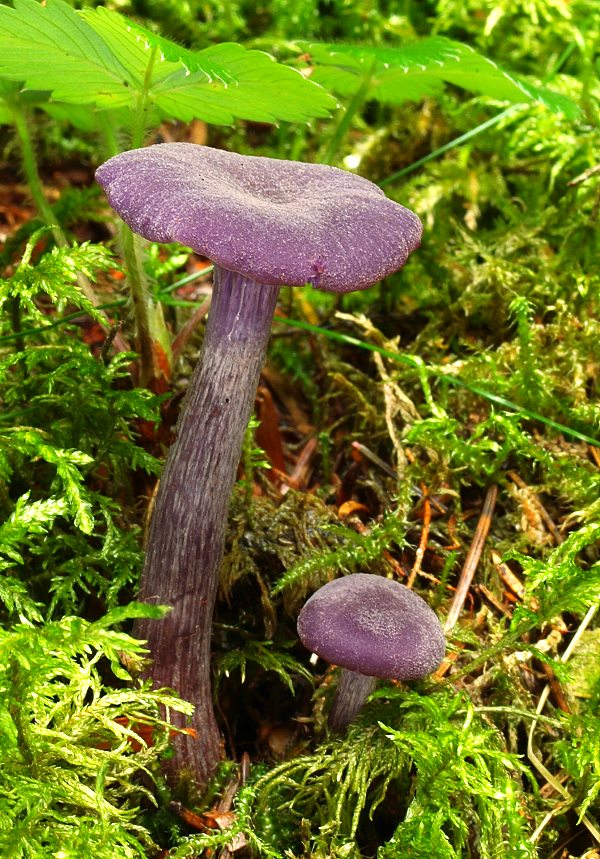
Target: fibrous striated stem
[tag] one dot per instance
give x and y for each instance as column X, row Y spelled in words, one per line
column 352, row 691
column 188, row 526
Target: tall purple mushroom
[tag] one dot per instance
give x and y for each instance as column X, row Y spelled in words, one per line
column 264, row 223
column 370, row 627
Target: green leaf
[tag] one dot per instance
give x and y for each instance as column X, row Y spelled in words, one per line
column 421, row 69
column 51, row 47
column 98, row 57
column 81, row 116
column 216, row 84
column 132, row 611
column 8, row 91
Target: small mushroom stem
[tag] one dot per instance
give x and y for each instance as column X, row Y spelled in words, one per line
column 352, row 691
column 188, row 527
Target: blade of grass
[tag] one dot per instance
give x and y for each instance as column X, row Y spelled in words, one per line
column 510, row 113
column 417, row 363
column 490, row 123
column 64, row 320
column 409, row 360
column 189, row 278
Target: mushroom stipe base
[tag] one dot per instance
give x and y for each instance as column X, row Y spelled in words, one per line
column 352, row 691
column 184, row 554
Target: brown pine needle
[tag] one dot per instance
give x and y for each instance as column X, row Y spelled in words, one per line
column 416, row 569
column 488, row 595
column 512, row 582
column 473, row 556
column 556, row 689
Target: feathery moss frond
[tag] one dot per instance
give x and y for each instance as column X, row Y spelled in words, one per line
column 433, row 771
column 73, row 748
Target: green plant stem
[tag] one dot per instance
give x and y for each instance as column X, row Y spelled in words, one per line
column 32, row 176
column 44, row 208
column 140, row 120
column 143, row 306
column 298, row 144
column 348, row 115
column 153, row 337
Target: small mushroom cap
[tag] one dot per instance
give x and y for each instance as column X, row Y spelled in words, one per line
column 277, row 222
column 374, row 626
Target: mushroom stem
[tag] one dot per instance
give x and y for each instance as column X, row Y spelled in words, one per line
column 188, row 527
column 352, row 691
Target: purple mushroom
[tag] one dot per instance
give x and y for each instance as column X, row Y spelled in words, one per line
column 370, row 627
column 264, row 223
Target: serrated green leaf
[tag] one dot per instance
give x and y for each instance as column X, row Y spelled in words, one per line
column 98, row 57
column 173, row 52
column 216, row 84
column 51, row 47
column 421, row 69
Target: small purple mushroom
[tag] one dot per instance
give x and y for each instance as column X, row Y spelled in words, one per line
column 264, row 223
column 370, row 627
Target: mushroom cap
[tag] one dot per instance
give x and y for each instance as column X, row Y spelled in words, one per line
column 374, row 626
column 277, row 222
